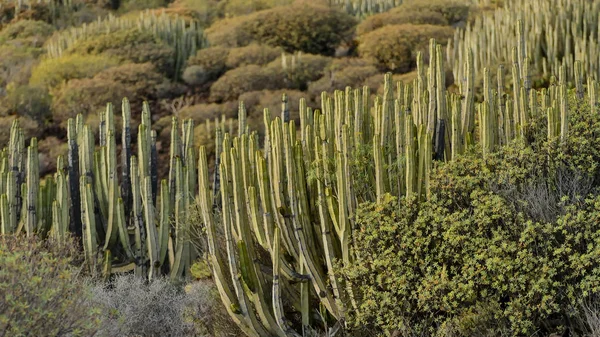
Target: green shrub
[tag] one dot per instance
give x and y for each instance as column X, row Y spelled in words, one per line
column 40, row 292
column 137, row 82
column 307, row 28
column 243, row 7
column 33, row 11
column 505, row 246
column 205, row 11
column 52, row 72
column 230, row 32
column 24, row 100
column 136, row 5
column 399, row 16
column 129, row 45
column 143, row 81
column 206, row 66
column 353, row 76
column 299, row 70
column 16, row 63
column 394, row 48
column 238, row 81
column 251, row 54
column 88, row 96
column 26, row 32
column 454, row 11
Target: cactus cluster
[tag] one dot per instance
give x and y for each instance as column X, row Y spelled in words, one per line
column 269, row 203
column 184, row 37
column 554, row 38
column 278, row 217
column 128, row 220
column 363, row 8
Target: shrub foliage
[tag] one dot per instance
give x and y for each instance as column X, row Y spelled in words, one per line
column 40, row 291
column 506, row 245
column 394, row 48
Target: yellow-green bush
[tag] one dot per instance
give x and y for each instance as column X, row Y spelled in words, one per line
column 143, row 81
column 136, row 5
column 242, row 7
column 505, row 246
column 348, row 77
column 52, row 72
column 394, row 48
column 129, row 45
column 16, row 63
column 40, row 292
column 205, row 11
column 26, row 32
column 454, row 11
column 32, row 11
column 206, row 66
column 252, row 54
column 24, row 100
column 352, row 72
column 308, row 28
column 243, row 79
column 399, row 16
column 230, row 32
column 299, row 69
column 87, row 96
column 137, row 82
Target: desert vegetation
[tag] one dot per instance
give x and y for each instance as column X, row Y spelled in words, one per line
column 299, row 168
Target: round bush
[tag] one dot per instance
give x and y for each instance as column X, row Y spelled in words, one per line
column 16, row 63
column 143, row 81
column 28, row 32
column 137, row 82
column 307, row 28
column 204, row 11
column 238, row 81
column 252, row 54
column 454, row 11
column 24, row 100
column 52, row 72
column 352, row 76
column 399, row 16
column 230, row 32
column 206, row 66
column 129, row 45
column 394, row 48
column 299, row 70
column 87, row 96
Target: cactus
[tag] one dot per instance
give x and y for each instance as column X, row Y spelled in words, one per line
column 289, row 204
